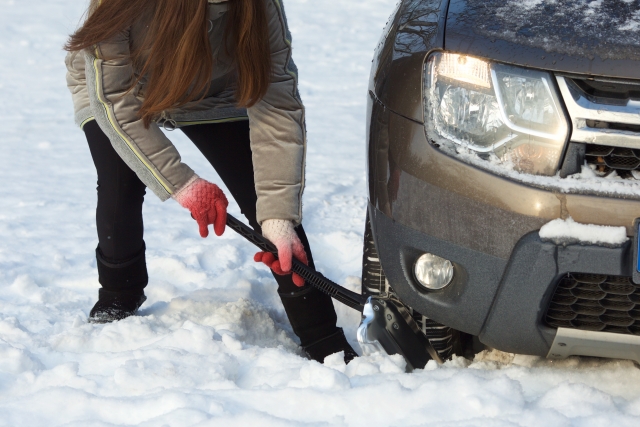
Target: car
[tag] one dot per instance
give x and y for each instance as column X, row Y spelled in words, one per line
column 491, row 124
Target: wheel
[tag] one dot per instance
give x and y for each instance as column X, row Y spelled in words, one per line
column 374, row 281
column 447, row 341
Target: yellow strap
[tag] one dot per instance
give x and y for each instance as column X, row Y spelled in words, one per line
column 212, row 121
column 116, row 127
column 86, row 121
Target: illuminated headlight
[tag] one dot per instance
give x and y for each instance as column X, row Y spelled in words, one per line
column 433, row 272
column 504, row 114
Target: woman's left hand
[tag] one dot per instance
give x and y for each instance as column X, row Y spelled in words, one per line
column 283, row 235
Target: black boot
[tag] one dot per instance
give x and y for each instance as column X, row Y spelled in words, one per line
column 313, row 320
column 328, row 345
column 123, row 285
column 112, row 306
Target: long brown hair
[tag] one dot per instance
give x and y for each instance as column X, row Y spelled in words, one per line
column 178, row 54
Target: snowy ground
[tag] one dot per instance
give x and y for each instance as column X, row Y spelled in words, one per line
column 212, row 345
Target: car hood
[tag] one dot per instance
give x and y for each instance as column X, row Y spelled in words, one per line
column 600, row 37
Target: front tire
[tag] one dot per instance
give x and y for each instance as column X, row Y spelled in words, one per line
column 447, row 341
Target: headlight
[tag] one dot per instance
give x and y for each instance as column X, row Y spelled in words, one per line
column 505, row 114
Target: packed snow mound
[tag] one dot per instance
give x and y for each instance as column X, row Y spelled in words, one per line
column 212, row 346
column 567, row 231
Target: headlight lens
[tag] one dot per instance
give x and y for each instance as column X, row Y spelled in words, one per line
column 505, row 114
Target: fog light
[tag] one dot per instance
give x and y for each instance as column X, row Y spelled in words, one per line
column 433, row 272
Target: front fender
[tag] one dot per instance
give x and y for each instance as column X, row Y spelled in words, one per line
column 415, row 29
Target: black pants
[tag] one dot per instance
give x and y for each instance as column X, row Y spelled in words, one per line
column 121, row 193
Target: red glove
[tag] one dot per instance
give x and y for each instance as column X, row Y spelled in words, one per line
column 207, row 204
column 282, row 234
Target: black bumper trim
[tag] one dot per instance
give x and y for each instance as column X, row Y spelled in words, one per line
column 502, row 302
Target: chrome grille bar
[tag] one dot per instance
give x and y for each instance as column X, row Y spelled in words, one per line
column 583, row 108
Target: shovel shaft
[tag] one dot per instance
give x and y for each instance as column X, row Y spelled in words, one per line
column 311, row 276
column 392, row 327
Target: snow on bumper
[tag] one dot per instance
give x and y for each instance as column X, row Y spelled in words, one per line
column 567, row 231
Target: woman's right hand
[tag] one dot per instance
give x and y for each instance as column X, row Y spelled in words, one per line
column 283, row 235
column 207, row 204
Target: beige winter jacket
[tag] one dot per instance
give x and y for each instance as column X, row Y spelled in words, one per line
column 99, row 79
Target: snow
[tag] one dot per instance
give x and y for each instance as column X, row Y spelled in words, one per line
column 588, row 181
column 633, row 23
column 568, row 231
column 602, row 28
column 212, row 345
column 529, row 4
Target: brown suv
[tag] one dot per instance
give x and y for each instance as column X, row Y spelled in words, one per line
column 487, row 120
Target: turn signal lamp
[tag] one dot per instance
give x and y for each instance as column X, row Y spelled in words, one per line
column 465, row 69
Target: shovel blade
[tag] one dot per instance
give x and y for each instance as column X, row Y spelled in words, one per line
column 387, row 325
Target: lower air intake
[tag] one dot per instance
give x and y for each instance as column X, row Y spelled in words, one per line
column 595, row 302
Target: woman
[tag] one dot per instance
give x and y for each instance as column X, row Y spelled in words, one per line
column 222, row 72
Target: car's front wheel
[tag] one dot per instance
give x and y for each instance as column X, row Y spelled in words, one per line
column 447, row 341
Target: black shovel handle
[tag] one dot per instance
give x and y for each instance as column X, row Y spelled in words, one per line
column 311, row 276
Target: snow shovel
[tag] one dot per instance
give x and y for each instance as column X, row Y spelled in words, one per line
column 386, row 323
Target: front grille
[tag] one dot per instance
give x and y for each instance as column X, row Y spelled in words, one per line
column 605, row 160
column 605, row 118
column 595, row 302
column 612, row 92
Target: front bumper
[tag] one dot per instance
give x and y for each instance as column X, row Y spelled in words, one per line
column 501, row 301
